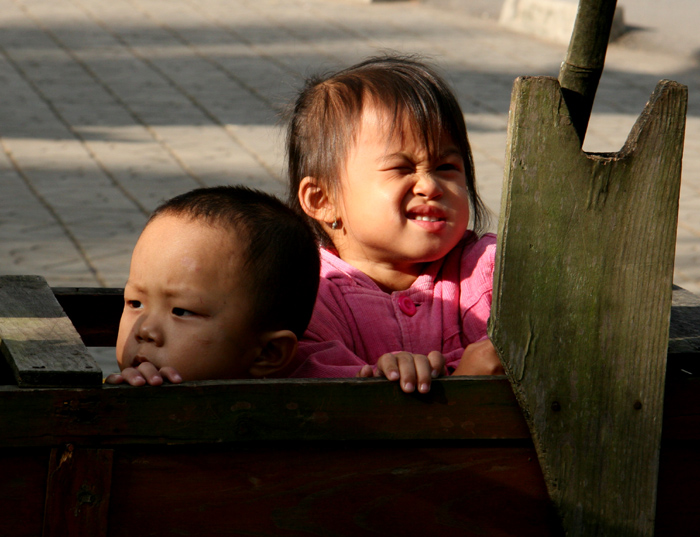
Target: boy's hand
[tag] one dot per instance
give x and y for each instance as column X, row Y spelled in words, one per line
column 480, row 358
column 145, row 373
column 410, row 370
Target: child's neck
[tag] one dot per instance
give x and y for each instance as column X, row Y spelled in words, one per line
column 389, row 277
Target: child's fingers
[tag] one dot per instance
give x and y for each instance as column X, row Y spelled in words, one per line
column 437, row 364
column 171, row 374
column 388, row 366
column 133, row 377
column 114, row 378
column 365, row 372
column 407, row 371
column 424, row 372
column 150, row 374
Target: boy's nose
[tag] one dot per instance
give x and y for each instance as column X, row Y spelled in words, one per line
column 427, row 186
column 148, row 331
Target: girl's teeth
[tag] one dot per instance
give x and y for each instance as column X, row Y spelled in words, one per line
column 426, row 218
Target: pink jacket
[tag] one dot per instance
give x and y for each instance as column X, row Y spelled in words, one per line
column 355, row 322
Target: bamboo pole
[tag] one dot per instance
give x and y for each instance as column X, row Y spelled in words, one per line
column 580, row 72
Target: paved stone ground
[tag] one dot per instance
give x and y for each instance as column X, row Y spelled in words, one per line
column 107, row 108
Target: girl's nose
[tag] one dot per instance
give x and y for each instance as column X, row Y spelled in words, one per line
column 427, row 186
column 149, row 331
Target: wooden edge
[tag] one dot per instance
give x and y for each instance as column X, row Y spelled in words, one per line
column 38, row 340
column 247, row 410
column 684, row 332
column 457, row 409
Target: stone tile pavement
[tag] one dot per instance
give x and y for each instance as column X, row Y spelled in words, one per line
column 107, row 108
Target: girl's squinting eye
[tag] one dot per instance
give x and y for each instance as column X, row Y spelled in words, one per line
column 449, row 167
column 182, row 312
column 402, row 168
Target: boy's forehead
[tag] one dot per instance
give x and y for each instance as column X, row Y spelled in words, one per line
column 218, row 243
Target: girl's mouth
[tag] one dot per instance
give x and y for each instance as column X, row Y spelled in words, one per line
column 427, row 219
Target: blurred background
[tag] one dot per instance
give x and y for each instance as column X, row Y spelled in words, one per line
column 108, row 108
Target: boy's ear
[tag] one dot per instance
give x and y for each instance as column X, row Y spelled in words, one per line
column 315, row 201
column 278, row 349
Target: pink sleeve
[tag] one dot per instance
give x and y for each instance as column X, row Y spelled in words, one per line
column 326, row 359
column 326, row 349
column 477, row 288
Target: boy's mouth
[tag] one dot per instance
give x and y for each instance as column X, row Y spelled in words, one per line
column 138, row 360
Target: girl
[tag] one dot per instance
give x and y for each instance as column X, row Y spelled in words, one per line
column 379, row 160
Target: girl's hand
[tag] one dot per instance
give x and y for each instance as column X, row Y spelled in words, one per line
column 410, row 370
column 145, row 373
column 480, row 358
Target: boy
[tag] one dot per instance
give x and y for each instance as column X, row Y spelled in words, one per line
column 222, row 283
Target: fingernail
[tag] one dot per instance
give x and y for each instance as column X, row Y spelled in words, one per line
column 435, row 373
column 177, row 378
column 424, row 388
column 393, row 375
column 408, row 387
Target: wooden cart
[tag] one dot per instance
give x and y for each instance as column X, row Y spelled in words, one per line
column 291, row 457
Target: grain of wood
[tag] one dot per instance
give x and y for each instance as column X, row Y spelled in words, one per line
column 37, row 338
column 582, row 299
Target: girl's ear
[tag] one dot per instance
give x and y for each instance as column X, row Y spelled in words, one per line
column 315, row 201
column 278, row 349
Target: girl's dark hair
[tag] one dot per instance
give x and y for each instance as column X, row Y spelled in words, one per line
column 326, row 117
column 281, row 261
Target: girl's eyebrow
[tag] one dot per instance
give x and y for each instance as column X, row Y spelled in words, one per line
column 449, row 151
column 389, row 156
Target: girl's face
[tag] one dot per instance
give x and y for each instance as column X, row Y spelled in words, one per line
column 399, row 208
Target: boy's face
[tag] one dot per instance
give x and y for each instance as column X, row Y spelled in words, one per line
column 186, row 304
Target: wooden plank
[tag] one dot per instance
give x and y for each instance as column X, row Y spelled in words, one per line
column 582, row 299
column 247, row 410
column 77, row 492
column 677, row 510
column 37, row 338
column 22, row 490
column 269, row 410
column 320, row 467
column 331, row 488
column 684, row 332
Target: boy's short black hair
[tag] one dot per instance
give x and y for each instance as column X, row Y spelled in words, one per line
column 281, row 257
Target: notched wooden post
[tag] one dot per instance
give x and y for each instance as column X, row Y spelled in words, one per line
column 38, row 340
column 582, row 300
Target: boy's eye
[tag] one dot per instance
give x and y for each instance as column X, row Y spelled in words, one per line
column 134, row 304
column 182, row 312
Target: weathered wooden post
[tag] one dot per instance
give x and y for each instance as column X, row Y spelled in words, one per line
column 582, row 292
